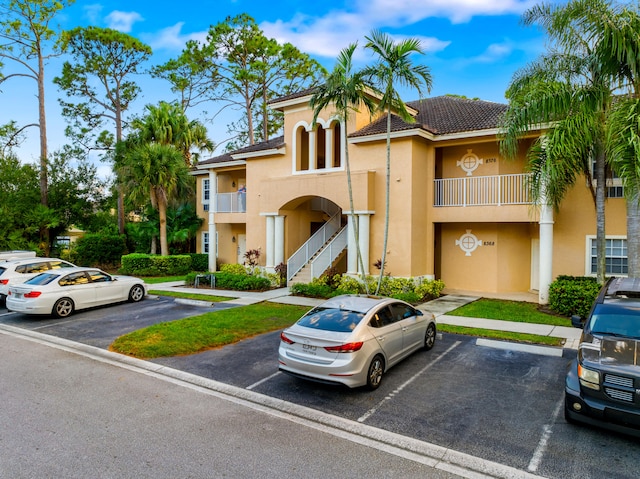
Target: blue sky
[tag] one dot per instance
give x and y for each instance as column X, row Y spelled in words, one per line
column 473, row 47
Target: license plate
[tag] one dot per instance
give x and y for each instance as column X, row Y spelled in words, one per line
column 310, row 348
column 18, row 295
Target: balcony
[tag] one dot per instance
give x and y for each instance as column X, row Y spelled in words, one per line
column 482, row 191
column 228, row 203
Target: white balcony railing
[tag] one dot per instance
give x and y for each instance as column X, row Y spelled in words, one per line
column 230, row 202
column 483, row 191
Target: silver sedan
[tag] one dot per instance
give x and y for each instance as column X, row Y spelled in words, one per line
column 353, row 340
column 61, row 292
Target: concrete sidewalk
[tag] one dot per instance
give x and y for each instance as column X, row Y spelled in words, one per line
column 438, row 307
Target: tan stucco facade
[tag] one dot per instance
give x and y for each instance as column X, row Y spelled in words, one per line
column 458, row 210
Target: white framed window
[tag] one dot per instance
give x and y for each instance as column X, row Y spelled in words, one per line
column 206, row 193
column 615, row 256
column 205, row 242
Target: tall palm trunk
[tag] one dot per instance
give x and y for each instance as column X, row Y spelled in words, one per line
column 600, row 214
column 383, row 260
column 633, row 234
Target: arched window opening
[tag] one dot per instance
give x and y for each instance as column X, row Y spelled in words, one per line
column 321, row 148
column 337, row 145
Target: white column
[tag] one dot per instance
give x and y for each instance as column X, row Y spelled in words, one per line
column 546, row 253
column 363, row 233
column 352, row 254
column 328, row 147
column 213, row 191
column 313, row 157
column 270, row 242
column 278, row 241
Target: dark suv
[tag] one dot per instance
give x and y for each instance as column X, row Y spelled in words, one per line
column 603, row 383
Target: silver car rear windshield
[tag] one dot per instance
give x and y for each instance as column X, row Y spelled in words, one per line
column 331, row 319
column 42, row 278
column 616, row 320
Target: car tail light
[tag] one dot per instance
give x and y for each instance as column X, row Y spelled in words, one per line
column 345, row 348
column 284, row 339
column 4, row 281
column 32, row 294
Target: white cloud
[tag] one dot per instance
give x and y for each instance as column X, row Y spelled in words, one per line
column 172, row 38
column 92, row 12
column 326, row 36
column 122, row 21
column 405, row 12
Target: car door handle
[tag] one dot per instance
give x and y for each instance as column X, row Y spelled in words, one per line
column 380, row 338
column 404, row 328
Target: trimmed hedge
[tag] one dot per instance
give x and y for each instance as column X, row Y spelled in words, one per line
column 153, row 265
column 233, row 281
column 573, row 295
column 199, row 262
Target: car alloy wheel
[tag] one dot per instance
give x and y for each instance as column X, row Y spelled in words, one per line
column 375, row 372
column 63, row 308
column 430, row 337
column 136, row 294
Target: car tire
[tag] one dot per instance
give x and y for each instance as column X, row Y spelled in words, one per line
column 136, row 293
column 375, row 372
column 64, row 307
column 429, row 337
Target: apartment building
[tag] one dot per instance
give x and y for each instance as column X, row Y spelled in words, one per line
column 459, row 211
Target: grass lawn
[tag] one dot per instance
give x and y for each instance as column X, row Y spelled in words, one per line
column 207, row 331
column 196, row 296
column 160, row 279
column 501, row 335
column 517, row 311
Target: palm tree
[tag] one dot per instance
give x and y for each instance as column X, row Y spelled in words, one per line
column 167, row 124
column 156, row 171
column 621, row 34
column 394, row 67
column 346, row 90
column 569, row 90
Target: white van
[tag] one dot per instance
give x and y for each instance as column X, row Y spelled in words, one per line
column 16, row 254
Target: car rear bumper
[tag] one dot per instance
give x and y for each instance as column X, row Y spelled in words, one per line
column 24, row 307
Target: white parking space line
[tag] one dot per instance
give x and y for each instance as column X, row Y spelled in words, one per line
column 8, row 313
column 372, row 411
column 263, row 380
column 544, row 440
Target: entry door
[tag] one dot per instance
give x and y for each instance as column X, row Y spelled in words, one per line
column 242, row 248
column 535, row 264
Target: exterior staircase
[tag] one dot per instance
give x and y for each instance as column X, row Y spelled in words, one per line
column 324, row 259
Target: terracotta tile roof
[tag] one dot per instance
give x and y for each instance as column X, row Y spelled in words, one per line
column 439, row 115
column 442, row 115
column 273, row 143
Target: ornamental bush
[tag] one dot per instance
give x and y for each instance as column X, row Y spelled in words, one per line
column 573, row 295
column 407, row 289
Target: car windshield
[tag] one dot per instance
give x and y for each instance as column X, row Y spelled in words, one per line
column 616, row 320
column 42, row 278
column 331, row 319
column 2, row 270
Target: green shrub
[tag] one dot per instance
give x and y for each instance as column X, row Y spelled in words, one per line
column 234, row 269
column 99, row 250
column 199, row 262
column 241, row 282
column 312, row 290
column 153, row 265
column 429, row 289
column 405, row 289
column 573, row 295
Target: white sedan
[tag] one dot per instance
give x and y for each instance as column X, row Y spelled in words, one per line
column 61, row 292
column 354, row 340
